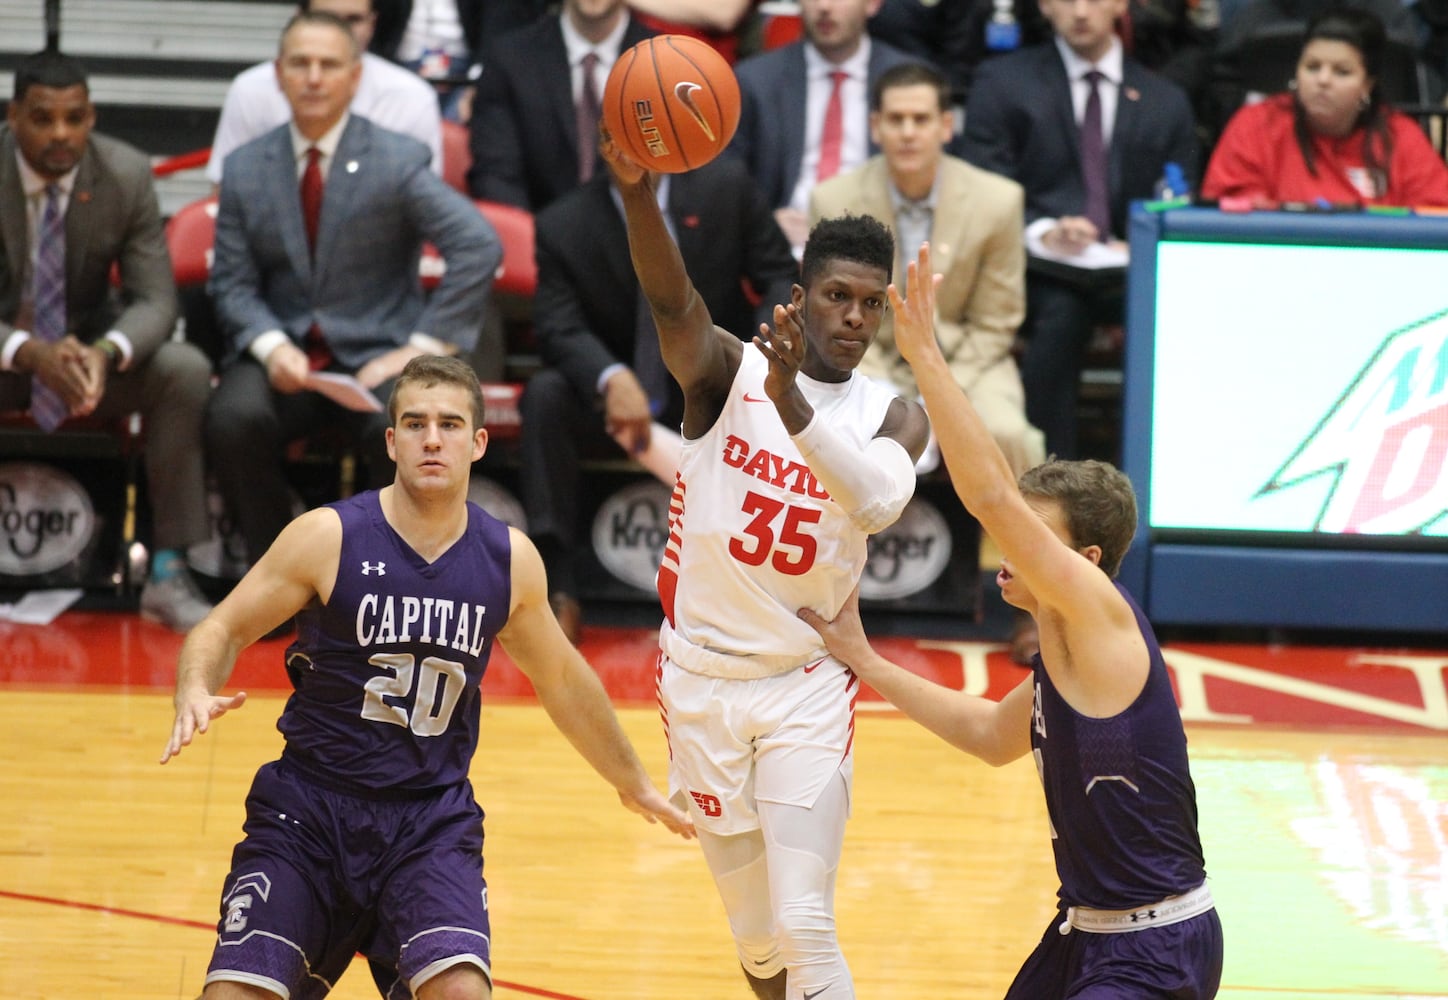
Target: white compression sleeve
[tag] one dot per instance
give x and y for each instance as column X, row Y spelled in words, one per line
column 873, row 485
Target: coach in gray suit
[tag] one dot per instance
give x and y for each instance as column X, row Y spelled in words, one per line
column 103, row 349
column 347, row 298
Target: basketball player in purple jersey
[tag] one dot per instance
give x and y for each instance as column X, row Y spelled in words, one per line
column 365, row 834
column 1136, row 918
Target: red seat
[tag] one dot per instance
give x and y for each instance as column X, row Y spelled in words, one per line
column 517, row 275
column 457, row 155
column 190, row 235
column 782, row 25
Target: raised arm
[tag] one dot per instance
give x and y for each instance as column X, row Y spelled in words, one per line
column 300, row 565
column 701, row 357
column 572, row 694
column 1064, row 582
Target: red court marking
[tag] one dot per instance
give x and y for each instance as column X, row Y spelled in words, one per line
column 74, row 904
column 1306, row 686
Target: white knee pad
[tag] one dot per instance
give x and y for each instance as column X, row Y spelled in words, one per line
column 738, row 866
column 803, row 847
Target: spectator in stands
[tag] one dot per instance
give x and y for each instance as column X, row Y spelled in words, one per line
column 443, row 40
column 75, row 205
column 721, row 23
column 934, row 32
column 535, row 117
column 387, row 95
column 1078, row 182
column 1258, row 43
column 322, row 273
column 1332, row 138
column 806, row 107
column 603, row 379
column 973, row 221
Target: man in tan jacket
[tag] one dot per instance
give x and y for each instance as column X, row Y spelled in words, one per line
column 973, row 220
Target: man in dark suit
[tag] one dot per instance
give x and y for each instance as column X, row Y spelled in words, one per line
column 1029, row 119
column 596, row 387
column 75, row 204
column 347, row 299
column 443, row 39
column 526, row 144
column 789, row 134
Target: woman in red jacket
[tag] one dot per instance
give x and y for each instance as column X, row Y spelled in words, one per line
column 1331, row 139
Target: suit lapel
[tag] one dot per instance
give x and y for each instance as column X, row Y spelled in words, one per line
column 792, row 114
column 952, row 215
column 12, row 213
column 345, row 178
column 1123, row 131
column 556, row 77
column 874, row 195
column 281, row 175
column 80, row 217
column 1063, row 112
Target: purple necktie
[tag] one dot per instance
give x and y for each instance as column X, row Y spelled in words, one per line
column 1093, row 159
column 588, row 111
column 47, row 408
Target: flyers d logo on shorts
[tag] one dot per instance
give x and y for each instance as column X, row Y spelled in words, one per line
column 708, row 804
column 684, row 91
column 1385, row 440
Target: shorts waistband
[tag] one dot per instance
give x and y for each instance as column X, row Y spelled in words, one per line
column 1172, row 910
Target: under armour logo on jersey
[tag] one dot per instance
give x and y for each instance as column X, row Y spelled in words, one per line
column 380, row 567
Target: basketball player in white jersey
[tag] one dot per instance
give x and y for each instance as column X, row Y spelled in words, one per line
column 790, row 461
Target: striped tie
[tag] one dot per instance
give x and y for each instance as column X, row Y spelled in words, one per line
column 47, row 408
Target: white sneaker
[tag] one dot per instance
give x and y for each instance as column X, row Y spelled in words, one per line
column 175, row 602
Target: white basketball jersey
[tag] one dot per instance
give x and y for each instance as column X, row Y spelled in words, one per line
column 754, row 537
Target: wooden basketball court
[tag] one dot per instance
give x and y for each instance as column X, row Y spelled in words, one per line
column 1322, row 777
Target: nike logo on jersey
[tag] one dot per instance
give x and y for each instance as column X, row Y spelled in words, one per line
column 811, row 996
column 755, row 399
column 810, row 669
column 380, row 568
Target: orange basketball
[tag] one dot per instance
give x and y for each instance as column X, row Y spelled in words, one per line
column 672, row 103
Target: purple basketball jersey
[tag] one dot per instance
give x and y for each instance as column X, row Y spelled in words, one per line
column 1119, row 792
column 387, row 672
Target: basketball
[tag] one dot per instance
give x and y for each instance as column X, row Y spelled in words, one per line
column 671, row 103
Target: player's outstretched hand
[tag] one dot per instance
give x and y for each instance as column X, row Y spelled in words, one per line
column 624, row 169
column 845, row 636
column 784, row 346
column 915, row 310
column 652, row 806
column 194, row 716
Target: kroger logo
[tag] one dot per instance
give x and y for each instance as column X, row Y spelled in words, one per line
column 909, row 555
column 46, row 519
column 629, row 532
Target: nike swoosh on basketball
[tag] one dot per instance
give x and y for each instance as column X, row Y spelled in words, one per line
column 684, row 91
column 755, row 399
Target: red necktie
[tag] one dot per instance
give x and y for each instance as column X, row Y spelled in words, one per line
column 833, row 134
column 587, row 111
column 311, row 192
column 319, row 356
